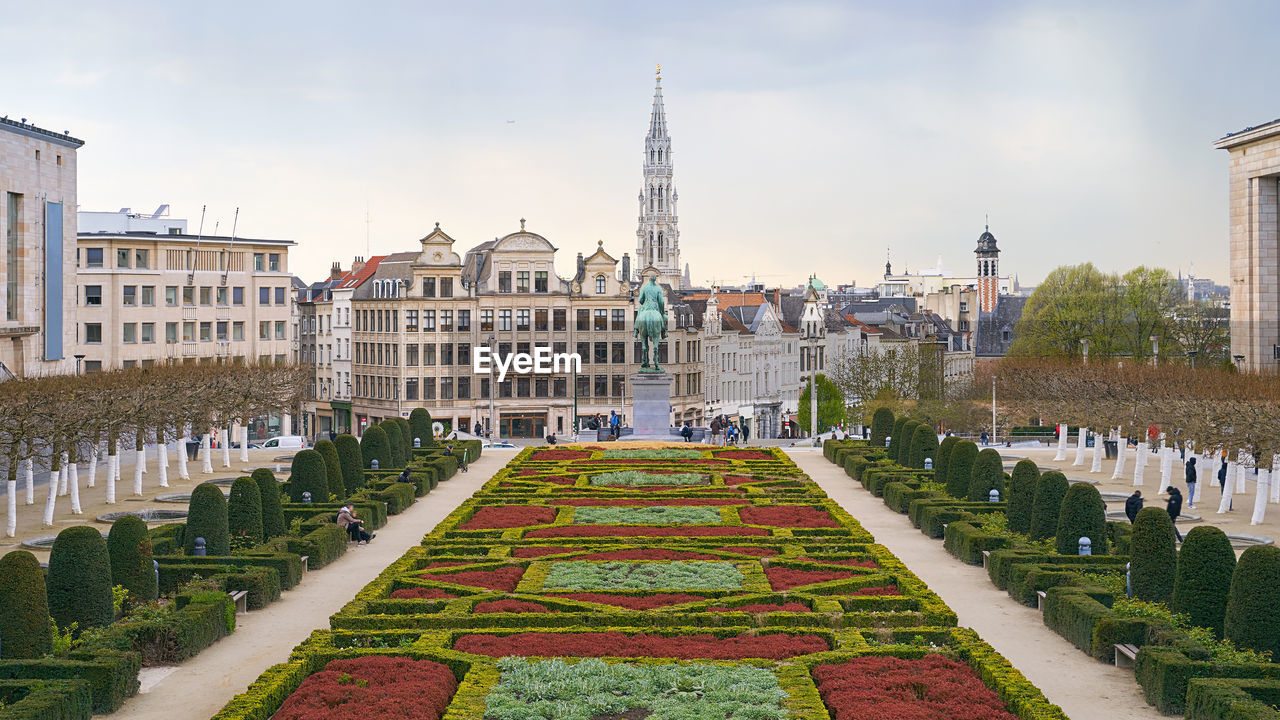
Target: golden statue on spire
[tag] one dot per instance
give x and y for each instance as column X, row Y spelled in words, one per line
column 659, row 71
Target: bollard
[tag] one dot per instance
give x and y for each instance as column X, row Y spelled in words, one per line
column 928, row 463
column 277, row 467
column 994, row 495
column 373, row 463
column 306, row 498
column 886, row 440
column 417, row 442
column 1086, row 546
column 1128, row 579
column 198, row 548
column 155, row 565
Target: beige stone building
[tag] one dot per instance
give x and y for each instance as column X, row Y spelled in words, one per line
column 38, row 228
column 148, row 291
column 1253, row 194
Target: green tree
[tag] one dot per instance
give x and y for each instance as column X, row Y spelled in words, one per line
column 1072, row 303
column 1047, row 505
column 374, row 446
column 1022, row 494
column 406, row 437
column 960, row 468
column 207, row 518
column 272, row 514
column 307, row 475
column 79, row 583
column 129, row 547
column 895, row 438
column 986, row 475
column 244, row 509
column 1153, row 556
column 882, row 423
column 24, row 608
column 1253, row 605
column 1203, row 581
column 904, row 448
column 924, row 444
column 332, row 469
column 395, row 442
column 1083, row 514
column 420, row 427
column 352, row 462
column 1150, row 297
column 831, row 410
column 1204, row 329
column 944, row 456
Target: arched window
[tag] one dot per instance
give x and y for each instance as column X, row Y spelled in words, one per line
column 650, row 156
column 600, row 285
column 651, row 247
column 659, row 156
column 662, row 250
column 661, row 191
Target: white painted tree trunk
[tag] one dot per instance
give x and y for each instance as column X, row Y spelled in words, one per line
column 73, row 480
column 226, row 447
column 29, row 472
column 1260, row 497
column 11, row 520
column 1062, row 442
column 62, row 476
column 113, row 469
column 53, row 497
column 1166, row 468
column 139, row 458
column 1080, row 447
column 244, row 443
column 1275, row 478
column 1121, row 446
column 1139, row 464
column 142, row 459
column 162, row 462
column 206, row 454
column 182, row 459
column 1097, row 454
column 1199, row 479
column 93, row 467
column 1225, row 504
column 1219, row 457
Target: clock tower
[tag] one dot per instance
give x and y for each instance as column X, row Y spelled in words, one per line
column 658, row 234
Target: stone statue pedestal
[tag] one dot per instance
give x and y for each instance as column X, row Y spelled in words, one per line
column 651, row 410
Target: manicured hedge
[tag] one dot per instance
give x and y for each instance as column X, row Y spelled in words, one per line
column 45, row 700
column 960, row 468
column 967, row 542
column 986, row 475
column 269, row 494
column 1153, row 556
column 903, row 457
column 308, row 475
column 395, row 442
column 332, row 469
column 1165, row 673
column 1083, row 514
column 112, row 676
column 129, row 548
column 207, row 518
column 1022, row 492
column 944, row 457
column 1046, row 506
column 24, row 607
column 1253, row 604
column 244, row 509
column 895, row 439
column 924, row 444
column 288, row 565
column 398, row 497
column 882, row 425
column 351, row 460
column 79, row 582
column 420, row 428
column 1206, row 562
column 167, row 539
column 173, row 634
column 374, row 445
column 1233, row 699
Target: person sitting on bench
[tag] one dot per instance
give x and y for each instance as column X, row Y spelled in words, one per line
column 354, row 526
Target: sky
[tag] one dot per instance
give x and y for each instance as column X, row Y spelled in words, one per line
column 808, row 137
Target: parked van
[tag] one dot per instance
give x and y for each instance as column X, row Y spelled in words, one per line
column 286, row 442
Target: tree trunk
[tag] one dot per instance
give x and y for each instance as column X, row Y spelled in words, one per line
column 162, row 462
column 139, row 456
column 62, row 476
column 1260, row 497
column 1140, row 464
column 113, row 469
column 55, row 469
column 1062, row 442
column 182, row 457
column 11, row 497
column 1225, row 504
column 1080, row 447
column 93, row 467
column 206, row 454
column 1121, row 446
column 244, row 443
column 30, row 474
column 1097, row 453
column 226, row 448
column 73, row 480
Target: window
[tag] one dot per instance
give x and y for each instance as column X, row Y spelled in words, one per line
column 522, row 320
column 130, row 295
column 558, row 320
column 280, row 296
column 428, row 287
column 504, row 320
column 522, row 348
column 446, row 388
column 237, row 296
column 484, row 388
column 206, row 332
column 142, row 259
column 222, row 296
column 522, row 386
column 504, row 349
column 171, row 332
column 602, row 320
column 522, row 281
column 446, row 287
column 558, row 348
column 446, row 353
column 149, row 295
column 618, row 353
column 601, row 286
column 428, row 388
column 237, row 330
column 601, row 386
column 618, row 386
column 411, row 355
column 206, row 295
column 540, row 320
column 584, row 352
column 619, row 319
column 540, row 281
column 264, row 330
column 92, row 366
column 486, row 320
column 504, row 281
column 259, row 262
column 92, row 257
column 464, row 388
column 411, row 389
column 280, row 330
column 123, row 256
column 129, row 333
column 584, row 319
column 504, row 389
column 541, row 387
column 559, row 387
column 428, row 354
column 273, row 262
column 221, row 329
column 428, row 320
column 264, row 296
column 92, row 294
column 601, row 354
column 446, row 321
column 148, row 332
column 583, row 387
column 464, row 353
column 411, row 320
column 464, row 321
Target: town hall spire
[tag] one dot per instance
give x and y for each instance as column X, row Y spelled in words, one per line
column 658, row 235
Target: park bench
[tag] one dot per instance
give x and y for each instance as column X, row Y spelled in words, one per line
column 1126, row 654
column 241, row 599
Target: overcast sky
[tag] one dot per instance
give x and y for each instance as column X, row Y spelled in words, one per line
column 808, row 137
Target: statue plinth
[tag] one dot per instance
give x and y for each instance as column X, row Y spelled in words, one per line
column 651, row 409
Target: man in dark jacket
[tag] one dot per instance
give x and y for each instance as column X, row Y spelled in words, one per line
column 1132, row 505
column 1174, row 506
column 1191, row 483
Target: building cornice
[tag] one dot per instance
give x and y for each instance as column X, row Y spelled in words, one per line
column 1248, row 135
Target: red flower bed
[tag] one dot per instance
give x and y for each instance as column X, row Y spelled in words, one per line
column 781, row 578
column 560, row 455
column 374, row 686
column 644, row 502
column 879, row 590
column 739, row 479
column 648, row 554
column 510, row 606
column 447, row 563
column 844, row 561
column 763, row 608
column 509, row 516
column 420, row 593
column 747, row 550
column 615, row 644
column 744, row 455
column 632, row 602
column 799, row 516
column 932, row 687
column 504, row 578
column 643, row 531
column 636, row 461
column 533, row 552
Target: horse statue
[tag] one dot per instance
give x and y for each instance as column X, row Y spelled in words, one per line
column 650, row 324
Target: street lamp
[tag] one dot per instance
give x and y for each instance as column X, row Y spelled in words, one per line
column 1084, row 345
column 993, row 407
column 1155, row 349
column 1192, row 354
column 493, row 391
column 1239, row 360
column 78, row 359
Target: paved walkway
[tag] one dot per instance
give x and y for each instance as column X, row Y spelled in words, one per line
column 1082, row 686
column 200, row 687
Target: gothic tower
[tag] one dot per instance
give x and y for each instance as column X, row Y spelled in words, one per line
column 658, row 235
column 988, row 271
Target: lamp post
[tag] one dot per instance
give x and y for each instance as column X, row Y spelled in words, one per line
column 993, row 409
column 1155, row 349
column 1192, row 354
column 1084, row 349
column 78, row 359
column 493, row 391
column 1239, row 360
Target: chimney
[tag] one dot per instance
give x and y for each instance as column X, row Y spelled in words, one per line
column 626, row 266
column 582, row 267
column 335, row 272
column 357, row 265
column 777, row 298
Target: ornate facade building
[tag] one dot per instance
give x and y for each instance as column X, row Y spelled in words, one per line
column 658, row 234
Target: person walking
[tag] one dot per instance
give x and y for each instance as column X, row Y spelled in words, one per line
column 746, row 432
column 984, row 438
column 1132, row 505
column 1174, row 507
column 1222, row 482
column 614, row 422
column 1191, row 483
column 715, row 431
column 478, row 430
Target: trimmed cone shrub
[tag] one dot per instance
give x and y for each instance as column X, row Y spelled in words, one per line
column 79, row 582
column 1203, row 581
column 129, row 547
column 332, row 469
column 269, row 494
column 1083, row 514
column 420, row 427
column 881, row 426
column 24, row 607
column 987, row 475
column 374, row 446
column 1047, row 504
column 307, row 475
column 1253, row 605
column 1022, row 493
column 349, row 457
column 1153, row 556
column 207, row 518
column 394, row 442
column 924, row 444
column 406, row 436
column 895, row 437
column 960, row 468
column 244, row 509
column 944, row 456
column 904, row 449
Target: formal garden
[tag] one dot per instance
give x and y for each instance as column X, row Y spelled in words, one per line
column 75, row 635
column 591, row 583
column 1199, row 628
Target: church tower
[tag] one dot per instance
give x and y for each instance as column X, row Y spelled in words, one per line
column 658, row 235
column 988, row 271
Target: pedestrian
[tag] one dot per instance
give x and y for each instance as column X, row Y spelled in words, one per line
column 746, row 432
column 348, row 521
column 478, row 430
column 984, row 438
column 404, row 476
column 1222, row 480
column 715, row 431
column 1174, row 506
column 1132, row 505
column 1191, row 483
column 687, row 432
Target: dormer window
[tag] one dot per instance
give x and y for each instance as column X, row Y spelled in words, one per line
column 601, row 285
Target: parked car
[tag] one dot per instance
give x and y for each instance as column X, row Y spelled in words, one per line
column 286, row 442
column 499, row 444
